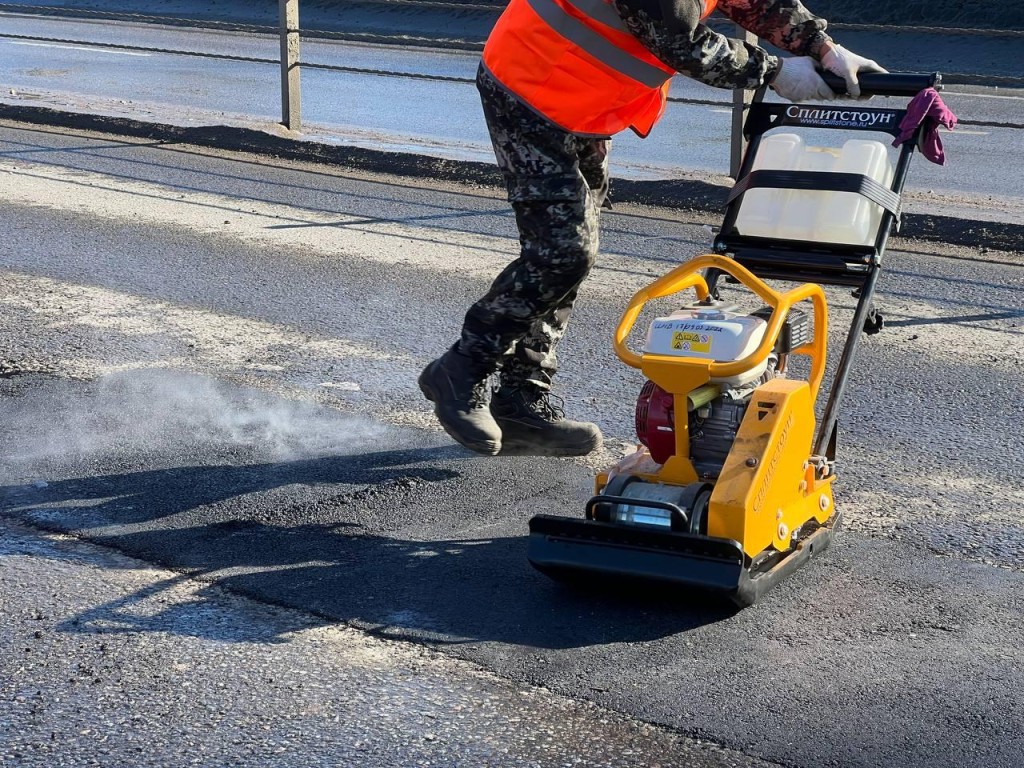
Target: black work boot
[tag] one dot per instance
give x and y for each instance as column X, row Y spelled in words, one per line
column 531, row 425
column 461, row 394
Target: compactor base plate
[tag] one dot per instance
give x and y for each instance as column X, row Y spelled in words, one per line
column 578, row 551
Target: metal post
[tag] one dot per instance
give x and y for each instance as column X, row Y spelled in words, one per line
column 291, row 92
column 740, row 102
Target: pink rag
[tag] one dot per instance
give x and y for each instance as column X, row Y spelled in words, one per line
column 927, row 108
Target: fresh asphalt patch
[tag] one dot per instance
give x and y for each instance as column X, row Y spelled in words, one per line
column 877, row 653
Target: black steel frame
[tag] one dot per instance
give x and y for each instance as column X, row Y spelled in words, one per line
column 824, row 263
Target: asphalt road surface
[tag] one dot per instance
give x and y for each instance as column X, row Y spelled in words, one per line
column 147, row 667
column 208, row 365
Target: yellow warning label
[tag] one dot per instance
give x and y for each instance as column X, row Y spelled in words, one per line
column 689, row 341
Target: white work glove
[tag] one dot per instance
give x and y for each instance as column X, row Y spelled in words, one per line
column 847, row 64
column 798, row 80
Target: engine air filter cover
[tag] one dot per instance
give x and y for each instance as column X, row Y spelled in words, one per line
column 709, row 333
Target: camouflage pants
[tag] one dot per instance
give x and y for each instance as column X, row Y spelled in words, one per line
column 557, row 183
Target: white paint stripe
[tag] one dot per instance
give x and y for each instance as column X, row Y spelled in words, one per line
column 82, row 48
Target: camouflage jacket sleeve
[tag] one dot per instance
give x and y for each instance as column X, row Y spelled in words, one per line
column 786, row 24
column 672, row 30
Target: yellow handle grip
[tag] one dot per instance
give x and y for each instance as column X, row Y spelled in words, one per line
column 686, row 276
column 676, row 281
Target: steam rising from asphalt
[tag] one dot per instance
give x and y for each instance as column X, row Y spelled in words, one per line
column 159, row 412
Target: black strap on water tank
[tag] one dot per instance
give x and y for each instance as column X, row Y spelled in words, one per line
column 819, row 181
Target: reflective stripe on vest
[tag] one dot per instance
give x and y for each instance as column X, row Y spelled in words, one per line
column 576, row 63
column 602, row 49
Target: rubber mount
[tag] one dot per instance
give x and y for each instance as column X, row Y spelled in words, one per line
column 874, row 322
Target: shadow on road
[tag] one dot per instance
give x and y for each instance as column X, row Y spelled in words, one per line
column 341, row 556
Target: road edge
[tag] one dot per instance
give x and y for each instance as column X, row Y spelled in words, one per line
column 687, row 194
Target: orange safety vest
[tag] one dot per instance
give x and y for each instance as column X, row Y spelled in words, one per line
column 574, row 62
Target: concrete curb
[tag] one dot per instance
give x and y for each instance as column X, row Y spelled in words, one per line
column 683, row 194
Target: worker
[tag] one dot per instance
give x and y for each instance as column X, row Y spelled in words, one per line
column 557, row 79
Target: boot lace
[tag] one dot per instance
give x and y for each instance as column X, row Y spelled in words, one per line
column 542, row 402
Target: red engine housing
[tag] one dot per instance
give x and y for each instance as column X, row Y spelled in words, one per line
column 655, row 421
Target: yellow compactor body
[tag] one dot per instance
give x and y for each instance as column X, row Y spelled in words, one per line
column 738, row 525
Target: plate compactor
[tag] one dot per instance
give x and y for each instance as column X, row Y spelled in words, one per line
column 731, row 487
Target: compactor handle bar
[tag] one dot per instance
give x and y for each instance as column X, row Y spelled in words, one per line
column 687, row 276
column 887, row 83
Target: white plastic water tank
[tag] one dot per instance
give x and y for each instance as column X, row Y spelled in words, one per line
column 709, row 333
column 827, row 217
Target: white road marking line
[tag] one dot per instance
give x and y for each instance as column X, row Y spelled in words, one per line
column 82, row 48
